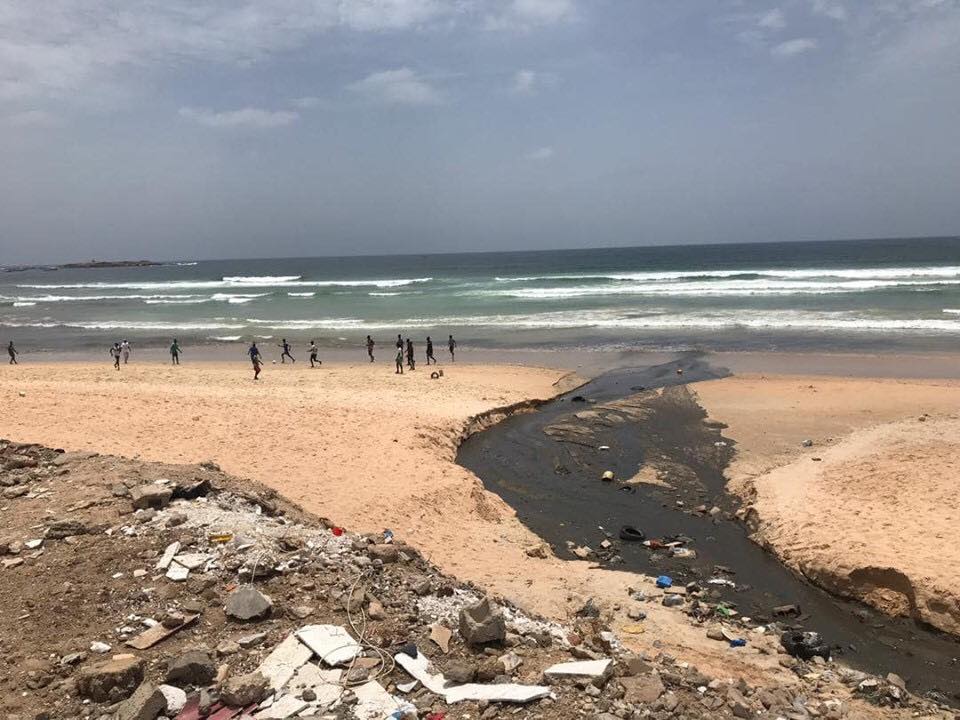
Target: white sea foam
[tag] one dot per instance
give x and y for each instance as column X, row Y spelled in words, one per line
column 301, row 294
column 952, row 311
column 259, row 279
column 225, row 338
column 948, row 271
column 280, row 281
column 23, row 303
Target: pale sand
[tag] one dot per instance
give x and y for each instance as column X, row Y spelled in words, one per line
column 876, row 518
column 362, row 447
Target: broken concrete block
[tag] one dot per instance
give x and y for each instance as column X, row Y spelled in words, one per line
column 177, row 572
column 150, row 496
column 104, row 681
column 594, row 671
column 147, row 703
column 420, row 669
column 331, row 643
column 482, row 623
column 244, row 690
column 283, row 707
column 164, row 562
column 280, row 665
column 248, row 603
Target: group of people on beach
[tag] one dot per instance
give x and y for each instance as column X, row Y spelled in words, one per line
column 404, row 349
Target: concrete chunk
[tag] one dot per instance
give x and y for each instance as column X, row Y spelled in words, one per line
column 331, row 643
column 592, row 670
column 287, row 657
column 285, row 706
column 164, row 562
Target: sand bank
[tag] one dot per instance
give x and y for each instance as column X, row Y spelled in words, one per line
column 362, row 447
column 874, row 517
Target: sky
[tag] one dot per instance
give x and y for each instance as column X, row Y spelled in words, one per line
column 258, row 128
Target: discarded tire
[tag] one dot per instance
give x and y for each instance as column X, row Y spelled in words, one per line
column 631, row 534
column 805, row 645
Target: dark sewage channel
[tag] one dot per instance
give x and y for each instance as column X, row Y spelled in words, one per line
column 547, row 465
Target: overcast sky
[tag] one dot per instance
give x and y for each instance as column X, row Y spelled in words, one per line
column 252, row 128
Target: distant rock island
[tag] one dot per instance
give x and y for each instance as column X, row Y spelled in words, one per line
column 81, row 265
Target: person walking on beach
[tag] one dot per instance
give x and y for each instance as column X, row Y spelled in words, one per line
column 430, row 351
column 12, row 352
column 411, row 360
column 452, row 345
column 313, row 354
column 254, row 353
column 175, row 352
column 115, row 354
column 399, row 370
column 370, row 344
column 399, row 342
column 286, row 351
column 125, row 349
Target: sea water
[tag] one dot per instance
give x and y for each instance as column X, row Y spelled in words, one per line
column 865, row 294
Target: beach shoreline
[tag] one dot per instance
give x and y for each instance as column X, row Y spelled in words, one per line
column 354, row 441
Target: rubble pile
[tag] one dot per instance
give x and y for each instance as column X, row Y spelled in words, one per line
column 137, row 591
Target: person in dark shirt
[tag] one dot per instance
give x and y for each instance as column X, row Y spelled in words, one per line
column 430, row 356
column 452, row 345
column 411, row 360
column 370, row 344
column 175, row 352
column 254, row 353
column 115, row 354
column 286, row 351
column 12, row 352
column 313, row 354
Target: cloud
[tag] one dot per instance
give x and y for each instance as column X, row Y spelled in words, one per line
column 773, row 20
column 528, row 82
column 307, row 102
column 61, row 48
column 540, row 154
column 402, row 86
column 791, row 48
column 526, row 14
column 830, row 9
column 244, row 118
column 31, row 118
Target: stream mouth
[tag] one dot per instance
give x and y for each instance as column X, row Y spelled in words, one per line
column 646, row 427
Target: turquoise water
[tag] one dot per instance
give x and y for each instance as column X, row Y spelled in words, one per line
column 854, row 294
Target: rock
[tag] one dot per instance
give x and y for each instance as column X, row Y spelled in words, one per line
column 191, row 489
column 147, row 703
column 645, row 689
column 247, row 603
column 896, row 681
column 251, row 641
column 175, row 697
column 175, row 518
column 119, row 490
column 383, row 552
column 60, row 529
column 715, row 632
column 227, row 647
column 107, row 680
column 302, row 612
column 375, row 611
column 99, row 647
column 509, row 663
column 738, row 704
column 482, row 623
column 589, row 610
column 73, row 658
column 673, row 600
column 150, row 496
column 460, row 671
column 194, row 667
column 15, row 491
column 243, row 690
column 540, row 550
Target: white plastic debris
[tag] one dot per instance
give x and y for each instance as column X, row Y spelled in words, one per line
column 191, row 561
column 420, row 669
column 375, row 703
column 331, row 643
column 99, row 647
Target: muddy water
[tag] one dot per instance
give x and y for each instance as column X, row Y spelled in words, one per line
column 547, row 466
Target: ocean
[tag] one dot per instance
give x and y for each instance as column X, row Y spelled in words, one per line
column 868, row 295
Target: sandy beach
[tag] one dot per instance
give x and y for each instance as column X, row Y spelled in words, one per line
column 371, row 450
column 869, row 509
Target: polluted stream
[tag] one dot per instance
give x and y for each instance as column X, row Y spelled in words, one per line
column 548, row 465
